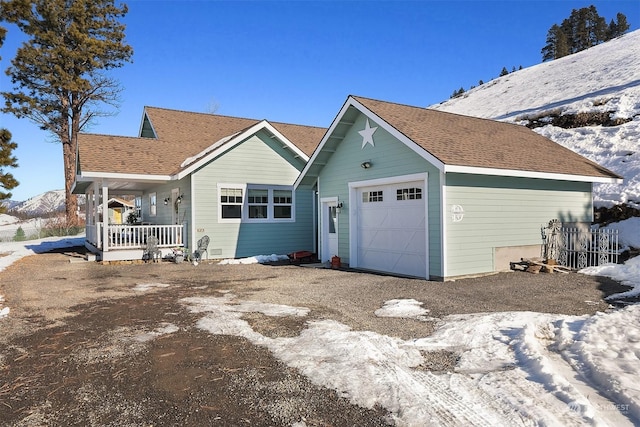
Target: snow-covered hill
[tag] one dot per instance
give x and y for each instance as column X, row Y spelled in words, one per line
column 45, row 203
column 603, row 79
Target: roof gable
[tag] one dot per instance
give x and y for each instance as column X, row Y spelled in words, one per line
column 457, row 143
column 179, row 139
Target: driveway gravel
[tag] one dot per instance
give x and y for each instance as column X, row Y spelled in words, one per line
column 82, row 346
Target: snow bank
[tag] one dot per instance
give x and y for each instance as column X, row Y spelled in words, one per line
column 258, row 259
column 628, row 274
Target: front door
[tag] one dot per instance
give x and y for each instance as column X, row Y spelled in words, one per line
column 175, row 206
column 329, row 229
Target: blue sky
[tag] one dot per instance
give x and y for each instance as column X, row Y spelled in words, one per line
column 297, row 61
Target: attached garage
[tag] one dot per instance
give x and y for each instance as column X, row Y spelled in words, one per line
column 389, row 230
column 422, row 193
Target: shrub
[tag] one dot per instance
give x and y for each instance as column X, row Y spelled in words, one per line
column 58, row 226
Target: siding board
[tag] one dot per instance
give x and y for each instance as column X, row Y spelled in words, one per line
column 503, row 211
column 258, row 160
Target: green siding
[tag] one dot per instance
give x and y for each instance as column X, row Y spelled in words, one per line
column 147, row 129
column 258, row 160
column 164, row 213
column 504, row 211
column 389, row 158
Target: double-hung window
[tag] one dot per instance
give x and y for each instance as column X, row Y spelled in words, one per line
column 258, row 201
column 282, row 204
column 153, row 204
column 231, row 202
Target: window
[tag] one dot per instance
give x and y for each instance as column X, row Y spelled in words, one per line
column 152, row 204
column 138, row 205
column 282, row 202
column 372, row 196
column 258, row 201
column 231, row 203
column 255, row 203
column 409, row 194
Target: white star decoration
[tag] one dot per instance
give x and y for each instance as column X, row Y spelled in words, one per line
column 367, row 134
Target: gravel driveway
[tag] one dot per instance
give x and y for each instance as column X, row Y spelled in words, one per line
column 81, row 345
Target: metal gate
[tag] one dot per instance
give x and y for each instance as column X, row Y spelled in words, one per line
column 579, row 248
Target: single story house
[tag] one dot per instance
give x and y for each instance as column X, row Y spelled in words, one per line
column 425, row 193
column 196, row 174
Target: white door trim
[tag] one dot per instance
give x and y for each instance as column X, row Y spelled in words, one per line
column 353, row 212
column 325, row 251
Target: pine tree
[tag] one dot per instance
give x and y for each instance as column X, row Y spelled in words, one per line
column 19, row 236
column 616, row 29
column 583, row 29
column 504, row 72
column 7, row 181
column 58, row 72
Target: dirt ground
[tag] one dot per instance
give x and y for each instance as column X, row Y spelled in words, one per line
column 71, row 352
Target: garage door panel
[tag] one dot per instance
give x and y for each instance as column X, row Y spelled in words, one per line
column 391, row 232
column 378, row 260
column 397, row 240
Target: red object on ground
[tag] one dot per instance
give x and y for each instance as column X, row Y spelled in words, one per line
column 335, row 262
column 300, row 255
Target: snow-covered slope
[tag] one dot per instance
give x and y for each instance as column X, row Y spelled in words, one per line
column 50, row 201
column 605, row 78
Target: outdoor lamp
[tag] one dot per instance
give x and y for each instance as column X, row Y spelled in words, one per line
column 366, row 164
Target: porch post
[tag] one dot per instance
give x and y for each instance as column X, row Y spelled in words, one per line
column 105, row 216
column 91, row 206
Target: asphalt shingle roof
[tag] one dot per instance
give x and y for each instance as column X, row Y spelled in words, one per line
column 180, row 135
column 460, row 140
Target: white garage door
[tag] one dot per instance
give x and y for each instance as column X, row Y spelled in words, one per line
column 391, row 228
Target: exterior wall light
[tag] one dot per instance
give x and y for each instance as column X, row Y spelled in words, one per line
column 366, row 164
column 166, row 201
column 339, row 207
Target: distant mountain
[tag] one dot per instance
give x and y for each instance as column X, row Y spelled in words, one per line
column 10, row 204
column 51, row 201
column 588, row 102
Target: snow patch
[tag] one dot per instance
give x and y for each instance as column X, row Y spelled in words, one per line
column 404, row 308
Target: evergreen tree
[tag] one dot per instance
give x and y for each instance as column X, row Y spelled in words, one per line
column 583, row 29
column 480, row 83
column 7, row 181
column 457, row 93
column 616, row 29
column 19, row 236
column 504, row 72
column 58, row 72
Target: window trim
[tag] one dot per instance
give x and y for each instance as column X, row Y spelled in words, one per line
column 244, row 216
column 219, row 203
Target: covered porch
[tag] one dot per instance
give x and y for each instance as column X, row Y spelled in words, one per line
column 119, row 242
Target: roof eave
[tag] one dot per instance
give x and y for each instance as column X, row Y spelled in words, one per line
column 142, row 177
column 532, row 174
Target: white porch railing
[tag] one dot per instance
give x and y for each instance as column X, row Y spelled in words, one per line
column 121, row 236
